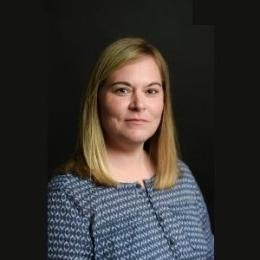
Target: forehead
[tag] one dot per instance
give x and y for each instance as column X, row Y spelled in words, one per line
column 143, row 68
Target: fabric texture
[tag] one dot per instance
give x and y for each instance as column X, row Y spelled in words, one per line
column 86, row 221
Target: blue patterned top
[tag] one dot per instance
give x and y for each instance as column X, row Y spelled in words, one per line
column 86, row 221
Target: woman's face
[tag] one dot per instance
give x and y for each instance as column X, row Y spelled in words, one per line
column 131, row 102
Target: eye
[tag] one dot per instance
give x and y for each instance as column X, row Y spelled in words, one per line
column 152, row 91
column 122, row 91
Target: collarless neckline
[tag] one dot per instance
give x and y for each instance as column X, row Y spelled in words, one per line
column 136, row 183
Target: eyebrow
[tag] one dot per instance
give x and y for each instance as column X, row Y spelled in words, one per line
column 129, row 85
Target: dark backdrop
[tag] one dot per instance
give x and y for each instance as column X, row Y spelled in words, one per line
column 78, row 32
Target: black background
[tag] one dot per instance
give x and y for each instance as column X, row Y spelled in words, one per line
column 78, row 32
column 25, row 79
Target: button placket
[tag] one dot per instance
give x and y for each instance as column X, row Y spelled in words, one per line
column 139, row 189
column 138, row 186
column 171, row 242
column 160, row 219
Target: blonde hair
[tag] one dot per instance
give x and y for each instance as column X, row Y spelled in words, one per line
column 90, row 155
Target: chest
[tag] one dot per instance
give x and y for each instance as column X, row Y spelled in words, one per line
column 133, row 224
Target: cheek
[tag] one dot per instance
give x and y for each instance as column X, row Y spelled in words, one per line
column 111, row 108
column 157, row 109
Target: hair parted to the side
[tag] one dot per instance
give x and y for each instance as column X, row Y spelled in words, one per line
column 90, row 158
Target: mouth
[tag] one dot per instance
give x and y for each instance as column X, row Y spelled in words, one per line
column 136, row 121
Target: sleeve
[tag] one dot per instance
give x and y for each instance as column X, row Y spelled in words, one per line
column 202, row 212
column 68, row 235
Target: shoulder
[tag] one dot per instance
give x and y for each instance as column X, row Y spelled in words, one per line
column 186, row 175
column 69, row 182
column 186, row 183
column 72, row 187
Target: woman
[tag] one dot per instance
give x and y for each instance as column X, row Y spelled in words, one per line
column 126, row 194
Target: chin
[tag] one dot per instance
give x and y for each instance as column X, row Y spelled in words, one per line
column 138, row 139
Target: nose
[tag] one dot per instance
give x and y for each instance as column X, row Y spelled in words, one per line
column 137, row 102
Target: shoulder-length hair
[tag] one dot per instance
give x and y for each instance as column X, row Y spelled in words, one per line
column 90, row 157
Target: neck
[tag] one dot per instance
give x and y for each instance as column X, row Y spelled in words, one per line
column 135, row 155
column 129, row 165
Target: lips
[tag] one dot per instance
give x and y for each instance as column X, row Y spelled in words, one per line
column 136, row 120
